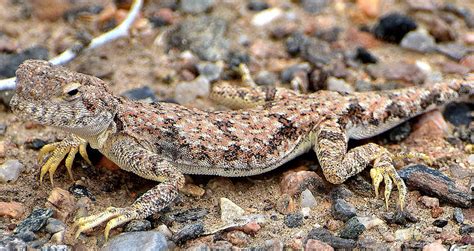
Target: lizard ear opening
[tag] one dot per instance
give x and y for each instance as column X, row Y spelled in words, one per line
column 71, row 91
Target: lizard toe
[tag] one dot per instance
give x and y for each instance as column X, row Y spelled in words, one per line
column 113, row 216
column 377, row 176
column 388, row 175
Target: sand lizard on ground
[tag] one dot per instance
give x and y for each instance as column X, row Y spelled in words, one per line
column 163, row 141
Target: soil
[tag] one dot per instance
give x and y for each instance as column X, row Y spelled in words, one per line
column 144, row 60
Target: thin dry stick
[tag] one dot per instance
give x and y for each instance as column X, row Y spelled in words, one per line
column 121, row 30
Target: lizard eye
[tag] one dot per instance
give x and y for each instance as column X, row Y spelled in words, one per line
column 71, row 90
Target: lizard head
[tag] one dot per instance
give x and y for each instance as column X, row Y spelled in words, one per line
column 55, row 96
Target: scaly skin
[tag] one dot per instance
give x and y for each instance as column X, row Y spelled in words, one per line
column 162, row 141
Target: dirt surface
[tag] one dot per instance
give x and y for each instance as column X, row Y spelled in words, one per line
column 144, row 60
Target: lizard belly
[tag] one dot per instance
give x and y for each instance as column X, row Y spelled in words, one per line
column 303, row 146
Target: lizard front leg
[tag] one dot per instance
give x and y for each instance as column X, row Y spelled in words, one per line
column 131, row 156
column 57, row 152
column 338, row 164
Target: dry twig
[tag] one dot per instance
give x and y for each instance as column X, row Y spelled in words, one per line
column 121, row 30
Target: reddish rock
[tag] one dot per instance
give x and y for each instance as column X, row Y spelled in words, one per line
column 294, row 244
column 44, row 10
column 437, row 212
column 285, row 204
column 165, row 15
column 2, row 149
column 220, row 184
column 469, row 38
column 12, row 209
column 315, row 245
column 454, row 68
column 468, row 61
column 429, row 202
column 441, row 30
column 104, row 162
column 238, row 238
column 356, row 38
column 334, row 225
column 293, row 183
column 426, row 5
column 251, row 228
column 401, row 71
column 431, row 124
column 434, row 246
column 370, row 8
column 450, row 237
column 62, row 202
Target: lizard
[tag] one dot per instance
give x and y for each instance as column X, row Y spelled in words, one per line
column 163, row 141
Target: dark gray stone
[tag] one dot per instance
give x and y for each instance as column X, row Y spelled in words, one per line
column 137, row 241
column 393, row 27
column 188, row 232
column 54, row 225
column 266, row 78
column 138, row 225
column 211, row 71
column 141, row 93
column 434, row 183
column 293, row 220
column 35, row 221
column 26, row 236
column 56, row 248
column 400, row 132
column 35, row 144
column 257, row 5
column 352, row 229
column 195, row 6
column 324, row 235
column 10, row 62
column 81, row 191
column 3, row 129
column 458, row 113
column 440, row 223
column 289, row 73
column 342, row 210
column 452, row 50
column 402, row 218
column 418, row 41
column 188, row 215
column 466, row 229
column 314, row 6
column 204, row 36
column 8, row 242
column 458, row 215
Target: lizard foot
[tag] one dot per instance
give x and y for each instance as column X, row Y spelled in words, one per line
column 383, row 170
column 58, row 151
column 114, row 216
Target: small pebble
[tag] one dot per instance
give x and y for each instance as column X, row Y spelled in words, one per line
column 418, row 41
column 352, row 229
column 466, row 229
column 188, row 232
column 267, row 16
column 59, row 238
column 54, row 225
column 431, row 181
column 230, row 211
column 342, row 210
column 26, row 235
column 440, row 223
column 315, row 245
column 452, row 50
column 339, row 85
column 144, row 93
column 191, row 214
column 307, row 199
column 294, row 183
column 404, row 234
column 256, row 5
column 164, row 230
column 364, row 56
column 35, row 221
column 62, row 202
column 285, row 204
column 429, row 202
column 10, row 170
column 324, row 235
column 393, row 27
column 266, row 78
column 314, row 6
column 293, row 220
column 186, row 92
column 10, row 62
column 3, row 129
column 458, row 215
column 136, row 241
column 12, row 209
column 212, row 71
column 35, row 144
column 238, row 238
column 81, row 191
column 138, row 225
column 195, row 6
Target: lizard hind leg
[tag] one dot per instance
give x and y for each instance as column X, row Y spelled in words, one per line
column 338, row 164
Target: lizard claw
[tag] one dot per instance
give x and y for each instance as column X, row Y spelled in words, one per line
column 114, row 216
column 58, row 151
column 389, row 175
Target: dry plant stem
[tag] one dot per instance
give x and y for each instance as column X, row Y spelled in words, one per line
column 121, row 30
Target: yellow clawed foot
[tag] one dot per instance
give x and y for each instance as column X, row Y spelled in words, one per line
column 58, row 151
column 114, row 216
column 388, row 175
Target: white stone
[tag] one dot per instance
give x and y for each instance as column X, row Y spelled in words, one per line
column 267, row 16
column 10, row 170
column 230, row 211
